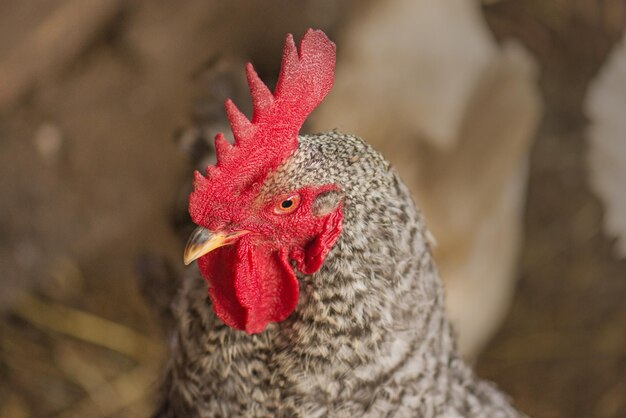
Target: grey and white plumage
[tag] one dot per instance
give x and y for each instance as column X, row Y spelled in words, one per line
column 369, row 336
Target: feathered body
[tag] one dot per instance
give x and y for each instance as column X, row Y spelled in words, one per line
column 369, row 336
column 312, row 246
column 604, row 106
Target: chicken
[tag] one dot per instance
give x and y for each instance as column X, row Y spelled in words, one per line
column 323, row 299
column 604, row 105
column 456, row 118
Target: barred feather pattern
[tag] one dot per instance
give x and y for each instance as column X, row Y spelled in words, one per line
column 369, row 337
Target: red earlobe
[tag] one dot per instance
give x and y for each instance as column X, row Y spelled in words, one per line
column 316, row 251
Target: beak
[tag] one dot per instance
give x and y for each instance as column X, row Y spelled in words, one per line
column 202, row 241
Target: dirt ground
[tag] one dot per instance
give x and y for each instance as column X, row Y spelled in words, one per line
column 562, row 350
column 89, row 171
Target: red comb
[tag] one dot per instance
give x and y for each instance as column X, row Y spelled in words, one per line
column 306, row 77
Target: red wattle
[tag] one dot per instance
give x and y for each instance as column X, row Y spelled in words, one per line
column 250, row 286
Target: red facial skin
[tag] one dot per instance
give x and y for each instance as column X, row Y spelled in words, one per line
column 252, row 283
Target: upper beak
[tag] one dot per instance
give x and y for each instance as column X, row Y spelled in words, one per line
column 202, row 241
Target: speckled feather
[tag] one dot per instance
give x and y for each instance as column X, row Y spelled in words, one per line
column 369, row 337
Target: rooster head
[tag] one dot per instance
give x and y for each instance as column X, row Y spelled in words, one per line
column 252, row 228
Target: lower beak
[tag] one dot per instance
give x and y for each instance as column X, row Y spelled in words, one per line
column 202, row 241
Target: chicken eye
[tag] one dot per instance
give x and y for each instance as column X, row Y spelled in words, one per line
column 288, row 205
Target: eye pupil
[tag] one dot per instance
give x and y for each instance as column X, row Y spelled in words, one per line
column 286, row 204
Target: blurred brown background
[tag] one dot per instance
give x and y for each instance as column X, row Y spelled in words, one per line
column 92, row 93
